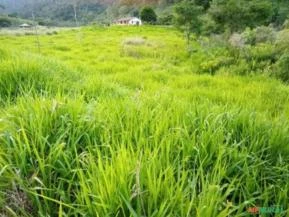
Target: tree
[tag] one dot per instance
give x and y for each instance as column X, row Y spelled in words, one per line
column 5, row 22
column 75, row 5
column 166, row 19
column 280, row 11
column 187, row 18
column 237, row 15
column 148, row 15
column 204, row 3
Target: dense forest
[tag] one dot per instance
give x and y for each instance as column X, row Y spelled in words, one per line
column 54, row 11
column 211, row 15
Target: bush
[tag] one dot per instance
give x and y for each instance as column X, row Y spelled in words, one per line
column 249, row 36
column 166, row 19
column 209, row 26
column 265, row 34
column 242, row 68
column 262, row 34
column 5, row 22
column 212, row 66
column 46, row 22
column 237, row 15
column 282, row 41
column 236, row 40
column 262, row 52
column 286, row 24
column 14, row 15
column 282, row 67
column 41, row 23
column 148, row 15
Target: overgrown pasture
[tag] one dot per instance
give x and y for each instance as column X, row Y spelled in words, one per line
column 122, row 121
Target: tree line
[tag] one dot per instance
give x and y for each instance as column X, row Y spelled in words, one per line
column 207, row 16
column 198, row 16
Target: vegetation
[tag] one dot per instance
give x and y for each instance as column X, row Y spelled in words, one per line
column 148, row 15
column 237, row 15
column 118, row 121
column 124, row 121
column 187, row 18
column 217, row 15
column 8, row 21
column 5, row 22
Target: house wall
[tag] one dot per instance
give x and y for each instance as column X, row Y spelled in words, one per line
column 134, row 21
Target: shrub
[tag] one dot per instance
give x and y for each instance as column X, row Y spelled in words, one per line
column 249, row 36
column 208, row 25
column 282, row 67
column 41, row 23
column 286, row 24
column 236, row 15
column 262, row 34
column 5, row 22
column 15, row 15
column 166, row 19
column 282, row 41
column 212, row 66
column 262, row 52
column 46, row 23
column 242, row 68
column 148, row 15
column 219, row 41
column 265, row 34
column 236, row 40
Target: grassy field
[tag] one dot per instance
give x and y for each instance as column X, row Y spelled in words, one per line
column 119, row 122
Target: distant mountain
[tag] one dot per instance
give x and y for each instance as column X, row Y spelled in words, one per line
column 11, row 5
column 54, row 11
column 57, row 11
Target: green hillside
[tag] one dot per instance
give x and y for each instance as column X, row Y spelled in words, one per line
column 122, row 121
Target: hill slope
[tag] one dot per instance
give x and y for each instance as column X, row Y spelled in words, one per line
column 116, row 122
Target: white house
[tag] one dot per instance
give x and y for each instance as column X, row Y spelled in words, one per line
column 25, row 25
column 133, row 21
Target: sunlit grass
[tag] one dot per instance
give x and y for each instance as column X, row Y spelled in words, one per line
column 116, row 122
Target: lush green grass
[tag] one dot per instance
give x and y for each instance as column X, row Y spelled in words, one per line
column 118, row 122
